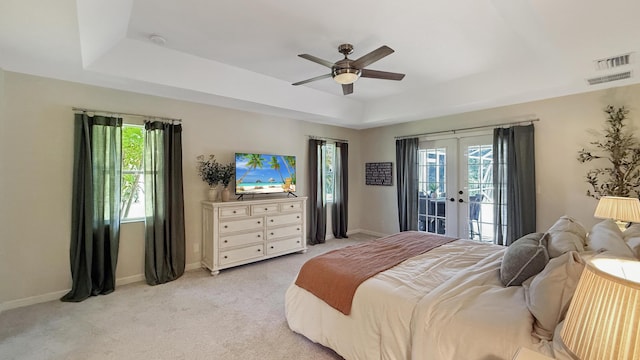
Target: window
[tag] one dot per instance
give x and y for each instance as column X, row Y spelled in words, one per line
column 132, row 197
column 329, row 174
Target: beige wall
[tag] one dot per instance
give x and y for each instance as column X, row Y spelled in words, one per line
column 566, row 125
column 36, row 156
column 37, row 129
column 4, row 269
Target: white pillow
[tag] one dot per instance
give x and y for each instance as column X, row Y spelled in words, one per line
column 631, row 232
column 634, row 244
column 549, row 293
column 566, row 235
column 606, row 236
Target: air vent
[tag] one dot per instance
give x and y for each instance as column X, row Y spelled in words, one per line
column 613, row 62
column 609, row 78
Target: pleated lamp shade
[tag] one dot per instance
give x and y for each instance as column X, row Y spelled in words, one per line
column 618, row 208
column 604, row 315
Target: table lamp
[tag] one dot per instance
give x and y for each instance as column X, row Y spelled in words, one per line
column 604, row 315
column 621, row 209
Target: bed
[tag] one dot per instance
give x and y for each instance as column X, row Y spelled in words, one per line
column 446, row 303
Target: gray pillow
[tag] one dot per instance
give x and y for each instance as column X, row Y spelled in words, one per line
column 524, row 258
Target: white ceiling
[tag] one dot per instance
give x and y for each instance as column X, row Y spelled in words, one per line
column 458, row 55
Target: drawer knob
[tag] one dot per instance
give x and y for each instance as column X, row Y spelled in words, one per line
column 234, row 211
column 290, row 205
column 298, row 217
column 298, row 241
column 258, row 235
column 258, row 250
column 225, row 256
column 265, row 209
column 225, row 226
column 271, row 220
column 272, row 247
column 259, row 222
column 298, row 229
column 271, row 233
column 225, row 241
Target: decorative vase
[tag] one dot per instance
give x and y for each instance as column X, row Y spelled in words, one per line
column 212, row 195
column 225, row 194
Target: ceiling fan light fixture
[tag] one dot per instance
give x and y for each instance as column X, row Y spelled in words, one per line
column 346, row 76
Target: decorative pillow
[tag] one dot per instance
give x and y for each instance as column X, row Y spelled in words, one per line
column 631, row 232
column 524, row 258
column 632, row 237
column 566, row 235
column 634, row 244
column 606, row 236
column 549, row 294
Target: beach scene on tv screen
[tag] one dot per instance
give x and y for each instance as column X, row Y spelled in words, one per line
column 265, row 173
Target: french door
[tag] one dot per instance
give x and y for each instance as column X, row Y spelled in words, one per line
column 455, row 187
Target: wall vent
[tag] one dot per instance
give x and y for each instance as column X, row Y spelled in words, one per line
column 609, row 78
column 612, row 62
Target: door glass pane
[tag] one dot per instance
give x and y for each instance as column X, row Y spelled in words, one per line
column 480, row 191
column 432, row 190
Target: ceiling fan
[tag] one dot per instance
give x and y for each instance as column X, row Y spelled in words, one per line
column 347, row 71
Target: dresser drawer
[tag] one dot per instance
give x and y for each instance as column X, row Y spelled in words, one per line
column 238, row 225
column 276, row 220
column 291, row 206
column 275, row 247
column 241, row 239
column 246, row 253
column 284, row 232
column 264, row 209
column 234, row 211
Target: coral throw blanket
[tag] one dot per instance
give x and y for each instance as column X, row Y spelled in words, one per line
column 335, row 276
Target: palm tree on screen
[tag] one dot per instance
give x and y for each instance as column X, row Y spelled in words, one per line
column 255, row 161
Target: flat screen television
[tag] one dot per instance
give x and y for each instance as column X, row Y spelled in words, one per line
column 265, row 174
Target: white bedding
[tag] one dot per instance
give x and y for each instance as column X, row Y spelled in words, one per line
column 448, row 303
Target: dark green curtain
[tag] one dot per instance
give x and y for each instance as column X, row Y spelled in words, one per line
column 164, row 203
column 407, row 183
column 317, row 205
column 514, row 182
column 341, row 192
column 95, row 218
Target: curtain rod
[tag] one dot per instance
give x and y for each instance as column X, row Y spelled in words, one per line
column 326, row 138
column 127, row 114
column 453, row 131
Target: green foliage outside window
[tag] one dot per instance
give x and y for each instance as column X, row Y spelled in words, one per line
column 132, row 154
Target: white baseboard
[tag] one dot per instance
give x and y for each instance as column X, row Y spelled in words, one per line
column 32, row 300
column 193, row 266
column 367, row 232
column 56, row 295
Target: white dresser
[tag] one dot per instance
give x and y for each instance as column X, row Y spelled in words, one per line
column 241, row 232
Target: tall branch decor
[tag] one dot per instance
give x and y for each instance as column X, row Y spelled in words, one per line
column 621, row 149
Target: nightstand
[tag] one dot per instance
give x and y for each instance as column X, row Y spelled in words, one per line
column 527, row 354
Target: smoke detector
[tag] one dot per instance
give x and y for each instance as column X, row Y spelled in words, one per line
column 157, row 39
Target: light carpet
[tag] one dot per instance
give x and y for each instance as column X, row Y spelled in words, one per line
column 238, row 314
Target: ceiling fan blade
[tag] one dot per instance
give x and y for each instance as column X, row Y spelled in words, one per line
column 375, row 74
column 372, row 57
column 317, row 60
column 313, row 79
column 347, row 88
